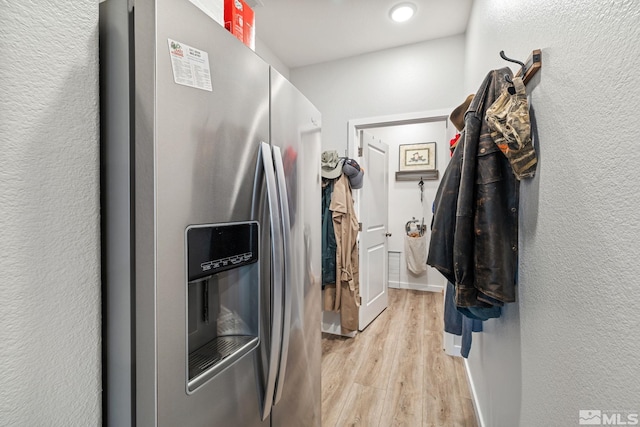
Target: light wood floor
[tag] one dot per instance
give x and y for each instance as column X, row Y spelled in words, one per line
column 395, row 372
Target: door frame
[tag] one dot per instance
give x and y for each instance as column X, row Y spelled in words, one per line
column 354, row 126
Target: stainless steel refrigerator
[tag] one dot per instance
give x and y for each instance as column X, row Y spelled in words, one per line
column 211, row 227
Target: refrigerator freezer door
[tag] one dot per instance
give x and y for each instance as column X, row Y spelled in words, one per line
column 295, row 129
column 204, row 152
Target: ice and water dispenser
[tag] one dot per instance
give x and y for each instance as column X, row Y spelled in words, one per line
column 223, row 297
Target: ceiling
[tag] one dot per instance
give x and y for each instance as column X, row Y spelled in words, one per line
column 306, row 32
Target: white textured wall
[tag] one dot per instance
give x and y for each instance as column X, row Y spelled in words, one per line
column 418, row 77
column 573, row 341
column 270, row 58
column 49, row 214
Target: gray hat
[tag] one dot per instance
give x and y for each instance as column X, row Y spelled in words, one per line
column 354, row 172
column 331, row 164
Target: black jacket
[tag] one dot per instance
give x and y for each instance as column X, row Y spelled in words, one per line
column 474, row 236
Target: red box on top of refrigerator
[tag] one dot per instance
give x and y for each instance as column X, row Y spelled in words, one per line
column 249, row 33
column 239, row 20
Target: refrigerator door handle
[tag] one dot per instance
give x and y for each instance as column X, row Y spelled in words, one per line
column 277, row 284
column 288, row 281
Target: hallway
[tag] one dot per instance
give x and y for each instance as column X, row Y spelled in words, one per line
column 395, row 372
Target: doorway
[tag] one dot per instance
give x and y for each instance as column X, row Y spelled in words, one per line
column 406, row 200
column 392, row 371
column 395, row 370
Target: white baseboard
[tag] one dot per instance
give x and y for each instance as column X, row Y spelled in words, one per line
column 474, row 395
column 450, row 346
column 416, row 286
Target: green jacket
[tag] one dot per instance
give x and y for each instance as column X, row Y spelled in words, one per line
column 328, row 237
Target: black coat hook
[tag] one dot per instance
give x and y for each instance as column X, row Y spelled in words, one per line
column 515, row 61
column 506, row 58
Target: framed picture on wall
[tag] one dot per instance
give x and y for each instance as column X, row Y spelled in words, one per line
column 417, row 157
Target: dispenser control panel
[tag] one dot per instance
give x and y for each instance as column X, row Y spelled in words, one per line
column 215, row 248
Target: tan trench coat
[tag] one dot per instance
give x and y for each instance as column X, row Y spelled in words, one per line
column 346, row 297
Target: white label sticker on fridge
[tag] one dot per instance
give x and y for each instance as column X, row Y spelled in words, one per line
column 190, row 66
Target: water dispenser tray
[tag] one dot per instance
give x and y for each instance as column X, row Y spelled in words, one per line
column 216, row 355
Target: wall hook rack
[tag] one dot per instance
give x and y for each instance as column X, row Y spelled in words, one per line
column 528, row 68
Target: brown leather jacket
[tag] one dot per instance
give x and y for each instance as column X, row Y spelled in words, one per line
column 474, row 237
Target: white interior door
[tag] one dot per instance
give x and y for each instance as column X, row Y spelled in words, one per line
column 374, row 203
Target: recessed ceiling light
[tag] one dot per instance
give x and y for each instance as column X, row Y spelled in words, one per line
column 402, row 12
